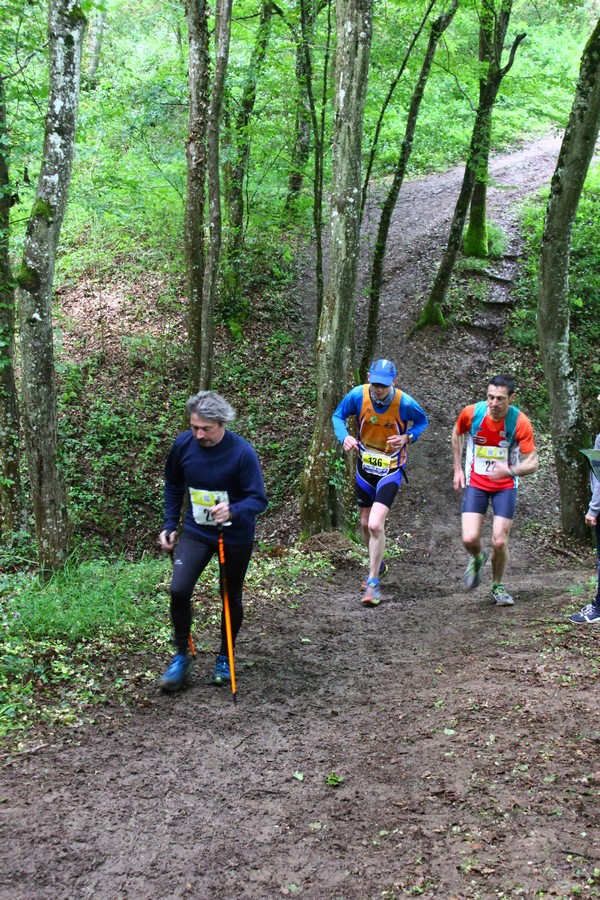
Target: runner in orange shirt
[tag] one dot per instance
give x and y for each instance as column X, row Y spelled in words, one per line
column 500, row 450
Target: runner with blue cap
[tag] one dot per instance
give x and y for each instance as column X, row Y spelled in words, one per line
column 388, row 419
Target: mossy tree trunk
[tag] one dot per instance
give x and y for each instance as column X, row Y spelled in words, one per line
column 475, row 241
column 553, row 312
column 319, row 509
column 211, row 268
column 437, row 29
column 10, row 483
column 432, row 312
column 198, row 76
column 66, row 26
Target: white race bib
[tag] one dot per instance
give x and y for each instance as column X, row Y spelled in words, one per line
column 375, row 463
column 202, row 503
column 487, row 457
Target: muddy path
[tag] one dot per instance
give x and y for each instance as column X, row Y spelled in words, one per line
column 466, row 737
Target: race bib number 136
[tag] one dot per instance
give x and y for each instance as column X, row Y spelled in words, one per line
column 376, row 463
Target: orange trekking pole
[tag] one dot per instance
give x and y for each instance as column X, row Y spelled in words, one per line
column 226, row 612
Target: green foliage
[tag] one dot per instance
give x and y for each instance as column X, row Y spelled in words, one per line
column 58, row 637
column 84, row 597
column 265, row 264
column 584, row 288
column 497, row 241
column 110, row 442
column 334, row 780
column 128, row 187
column 278, row 354
column 77, row 17
column 536, row 94
column 337, row 468
column 120, row 407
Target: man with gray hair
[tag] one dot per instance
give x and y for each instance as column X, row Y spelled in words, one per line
column 221, row 475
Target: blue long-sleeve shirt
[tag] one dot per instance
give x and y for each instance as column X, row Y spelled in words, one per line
column 351, row 405
column 233, row 466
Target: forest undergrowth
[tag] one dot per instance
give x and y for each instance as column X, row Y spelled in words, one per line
column 122, row 374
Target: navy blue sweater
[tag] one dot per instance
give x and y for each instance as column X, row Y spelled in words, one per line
column 232, row 465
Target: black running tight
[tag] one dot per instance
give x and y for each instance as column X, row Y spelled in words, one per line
column 189, row 561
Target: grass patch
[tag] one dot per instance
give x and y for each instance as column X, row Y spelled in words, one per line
column 62, row 640
column 97, row 632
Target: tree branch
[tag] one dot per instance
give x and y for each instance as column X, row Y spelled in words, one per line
column 519, row 38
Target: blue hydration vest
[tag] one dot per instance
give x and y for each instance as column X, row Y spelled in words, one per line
column 510, row 421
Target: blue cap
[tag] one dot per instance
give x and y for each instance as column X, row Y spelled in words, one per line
column 382, row 371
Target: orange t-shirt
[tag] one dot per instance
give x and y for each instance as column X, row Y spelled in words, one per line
column 493, row 435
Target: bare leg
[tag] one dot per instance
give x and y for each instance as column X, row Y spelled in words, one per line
column 365, row 512
column 500, row 532
column 472, row 526
column 376, row 527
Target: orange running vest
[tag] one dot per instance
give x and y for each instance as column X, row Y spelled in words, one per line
column 374, row 428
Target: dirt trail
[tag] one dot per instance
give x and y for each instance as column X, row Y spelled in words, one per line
column 467, row 736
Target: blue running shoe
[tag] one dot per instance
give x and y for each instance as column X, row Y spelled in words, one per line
column 383, row 570
column 372, row 595
column 589, row 615
column 177, row 673
column 222, row 673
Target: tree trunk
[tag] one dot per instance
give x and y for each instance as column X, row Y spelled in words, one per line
column 10, row 483
column 432, row 313
column 475, row 242
column 437, row 29
column 553, row 313
column 66, row 25
column 386, row 103
column 196, row 177
column 239, row 167
column 301, row 147
column 334, row 341
column 95, row 44
column 476, row 237
column 307, row 22
column 211, row 270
